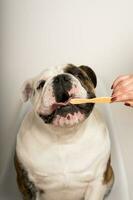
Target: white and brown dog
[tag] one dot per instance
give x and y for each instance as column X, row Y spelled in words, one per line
column 63, row 150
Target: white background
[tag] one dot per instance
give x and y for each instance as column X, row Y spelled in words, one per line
column 44, row 33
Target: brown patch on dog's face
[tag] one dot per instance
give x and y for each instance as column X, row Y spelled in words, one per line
column 86, row 81
column 90, row 73
column 85, row 75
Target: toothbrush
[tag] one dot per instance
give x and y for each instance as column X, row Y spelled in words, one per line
column 93, row 100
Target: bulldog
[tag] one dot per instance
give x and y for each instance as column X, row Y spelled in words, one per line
column 63, row 150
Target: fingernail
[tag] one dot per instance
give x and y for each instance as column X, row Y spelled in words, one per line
column 127, row 104
column 112, row 93
column 113, row 99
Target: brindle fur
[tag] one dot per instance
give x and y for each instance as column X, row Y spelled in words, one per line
column 26, row 187
column 108, row 177
column 108, row 174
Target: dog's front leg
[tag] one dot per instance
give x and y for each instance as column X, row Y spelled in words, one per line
column 96, row 190
column 26, row 187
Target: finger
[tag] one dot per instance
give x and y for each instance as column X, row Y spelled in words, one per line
column 123, row 97
column 120, row 78
column 129, row 103
column 123, row 90
column 124, row 85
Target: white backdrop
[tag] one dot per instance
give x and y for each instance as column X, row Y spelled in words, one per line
column 39, row 33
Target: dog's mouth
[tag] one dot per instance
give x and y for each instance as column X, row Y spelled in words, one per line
column 67, row 114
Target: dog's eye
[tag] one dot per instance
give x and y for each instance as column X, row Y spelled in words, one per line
column 41, row 84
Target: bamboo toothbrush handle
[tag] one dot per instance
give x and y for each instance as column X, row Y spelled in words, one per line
column 93, row 100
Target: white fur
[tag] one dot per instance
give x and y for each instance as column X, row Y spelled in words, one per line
column 67, row 163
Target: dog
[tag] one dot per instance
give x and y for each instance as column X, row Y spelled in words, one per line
column 62, row 150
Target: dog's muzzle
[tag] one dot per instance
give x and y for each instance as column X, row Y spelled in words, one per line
column 62, row 84
column 64, row 113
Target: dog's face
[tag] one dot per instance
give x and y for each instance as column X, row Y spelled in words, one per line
column 51, row 91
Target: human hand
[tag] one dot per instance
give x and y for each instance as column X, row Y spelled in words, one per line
column 123, row 90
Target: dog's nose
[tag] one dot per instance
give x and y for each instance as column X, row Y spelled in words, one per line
column 61, row 85
column 63, row 97
column 62, row 78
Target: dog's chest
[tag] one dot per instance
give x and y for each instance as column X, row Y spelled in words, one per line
column 68, row 165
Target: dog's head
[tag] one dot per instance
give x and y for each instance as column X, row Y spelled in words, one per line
column 51, row 91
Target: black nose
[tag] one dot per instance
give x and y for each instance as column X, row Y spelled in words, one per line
column 63, row 97
column 62, row 78
column 61, row 85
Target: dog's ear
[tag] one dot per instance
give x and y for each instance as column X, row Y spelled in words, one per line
column 27, row 90
column 90, row 73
